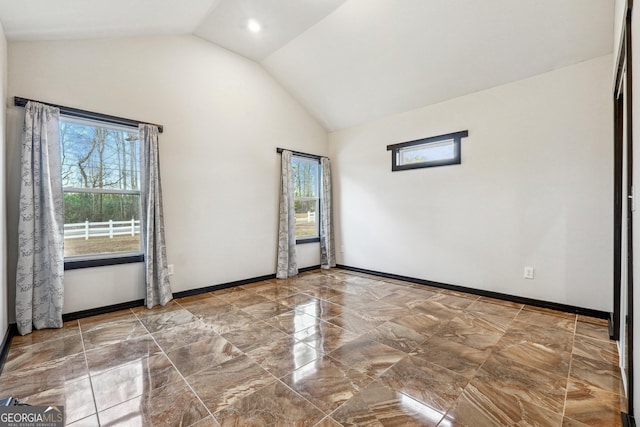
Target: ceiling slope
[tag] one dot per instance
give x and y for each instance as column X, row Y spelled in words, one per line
column 373, row 58
column 352, row 61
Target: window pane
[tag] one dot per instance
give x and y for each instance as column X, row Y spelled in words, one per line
column 306, row 193
column 101, row 223
column 97, row 156
column 306, row 218
column 305, row 177
column 427, row 153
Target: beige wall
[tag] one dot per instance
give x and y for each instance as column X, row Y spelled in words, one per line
column 534, row 189
column 223, row 118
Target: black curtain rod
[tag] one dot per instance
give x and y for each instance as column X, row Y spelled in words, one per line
column 298, row 153
column 75, row 112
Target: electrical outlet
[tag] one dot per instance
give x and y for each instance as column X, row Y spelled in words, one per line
column 170, row 269
column 528, row 272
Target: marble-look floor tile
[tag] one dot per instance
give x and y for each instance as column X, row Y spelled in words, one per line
column 167, row 320
column 35, row 354
column 506, row 383
column 39, row 378
column 226, row 320
column 292, row 322
column 606, row 351
column 367, row 356
column 456, row 357
column 143, row 311
column 328, row 422
column 405, row 298
column 172, row 405
column 325, row 337
column 112, row 333
column 266, row 310
column 499, row 314
column 276, row 292
column 75, row 396
column 322, row 309
column 170, row 339
column 436, row 310
column 545, row 334
column 475, row 408
column 355, row 349
column 90, row 421
column 299, row 301
column 471, row 331
column 326, row 383
column 425, row 382
column 549, row 311
column 125, row 382
column 592, row 406
column 454, row 300
column 253, row 336
column 535, row 355
column 38, row 336
column 209, row 302
column 206, row 422
column 605, row 375
column 397, row 336
column 593, row 330
column 501, row 302
column 204, row 296
column 224, row 384
column 354, row 322
column 274, row 405
column 543, row 318
column 204, row 354
column 249, row 299
column 378, row 405
column 324, row 292
column 108, row 357
column 424, row 324
column 283, row 356
column 89, row 323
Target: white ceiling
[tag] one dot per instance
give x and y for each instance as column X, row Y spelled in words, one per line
column 351, row 61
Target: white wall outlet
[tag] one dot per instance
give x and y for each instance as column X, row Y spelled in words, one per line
column 170, row 269
column 528, row 272
column 341, row 249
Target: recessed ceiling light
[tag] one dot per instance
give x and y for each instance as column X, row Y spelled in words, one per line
column 254, row 26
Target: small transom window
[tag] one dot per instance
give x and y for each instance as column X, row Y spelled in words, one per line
column 427, row 152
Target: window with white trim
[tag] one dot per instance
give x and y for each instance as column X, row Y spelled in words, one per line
column 101, row 189
column 306, row 192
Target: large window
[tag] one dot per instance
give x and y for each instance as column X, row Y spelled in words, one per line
column 306, row 192
column 101, row 185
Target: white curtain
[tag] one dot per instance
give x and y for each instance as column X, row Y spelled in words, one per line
column 287, row 258
column 40, row 270
column 158, row 286
column 327, row 247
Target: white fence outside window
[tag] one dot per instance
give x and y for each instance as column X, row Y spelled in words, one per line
column 85, row 230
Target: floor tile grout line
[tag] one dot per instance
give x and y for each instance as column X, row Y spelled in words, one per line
column 566, row 389
column 86, row 362
column 176, row 368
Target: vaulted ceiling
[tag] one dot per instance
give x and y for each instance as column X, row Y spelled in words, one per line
column 352, row 61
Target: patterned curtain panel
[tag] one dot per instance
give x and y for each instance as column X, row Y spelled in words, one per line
column 287, row 258
column 155, row 251
column 40, row 270
column 327, row 247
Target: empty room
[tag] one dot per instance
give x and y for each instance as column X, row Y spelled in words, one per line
column 318, row 212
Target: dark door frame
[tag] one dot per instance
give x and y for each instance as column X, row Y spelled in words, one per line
column 623, row 103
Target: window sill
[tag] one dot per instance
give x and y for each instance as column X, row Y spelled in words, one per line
column 102, row 262
column 309, row 240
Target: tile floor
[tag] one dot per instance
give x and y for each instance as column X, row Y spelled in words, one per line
column 324, row 349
